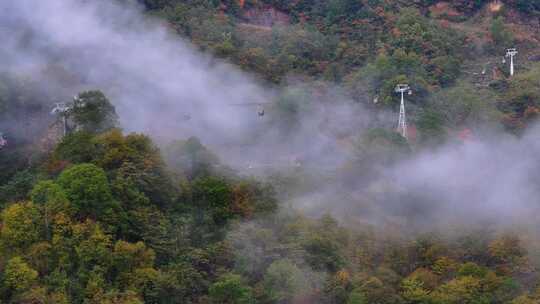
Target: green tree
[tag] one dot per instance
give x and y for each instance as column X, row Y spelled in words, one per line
column 18, row 275
column 337, row 287
column 93, row 112
column 18, row 187
column 20, row 226
column 214, row 195
column 94, row 248
column 129, row 260
column 230, row 289
column 184, row 281
column 524, row 299
column 87, row 188
column 357, row 297
column 77, row 147
column 153, row 227
column 472, row 269
column 94, row 289
column 417, row 34
column 51, row 199
column 253, row 198
column 501, row 36
column 507, row 249
column 380, row 146
column 413, row 291
column 375, row 291
column 430, row 124
column 522, row 99
column 462, row 290
column 325, row 246
column 463, row 104
column 190, row 158
column 283, row 280
column 48, row 192
column 139, row 175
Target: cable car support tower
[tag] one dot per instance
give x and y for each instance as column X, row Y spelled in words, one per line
column 402, row 123
column 62, row 110
column 511, row 53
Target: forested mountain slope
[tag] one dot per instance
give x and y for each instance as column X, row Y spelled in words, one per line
column 206, row 151
column 369, row 46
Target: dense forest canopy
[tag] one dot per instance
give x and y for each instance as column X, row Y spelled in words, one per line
column 245, row 151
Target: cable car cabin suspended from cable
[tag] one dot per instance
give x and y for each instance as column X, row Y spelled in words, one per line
column 261, row 111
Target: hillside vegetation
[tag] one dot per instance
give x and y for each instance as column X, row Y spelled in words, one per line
column 370, row 46
column 105, row 216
